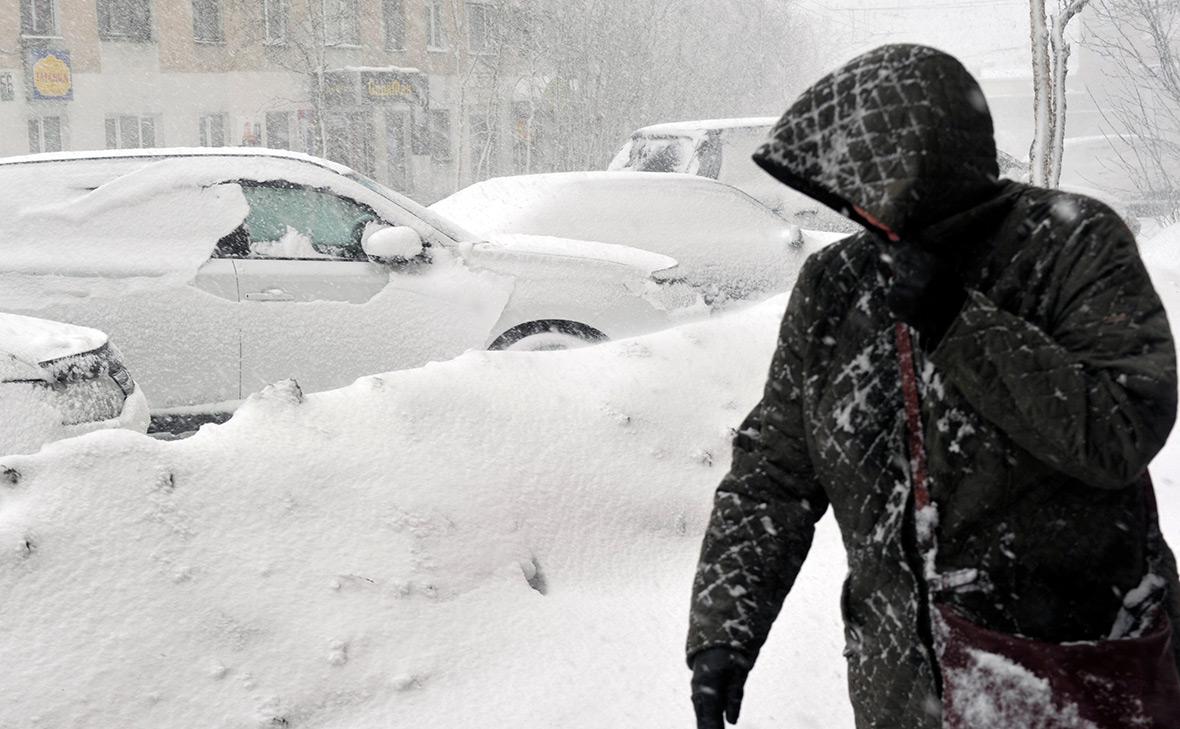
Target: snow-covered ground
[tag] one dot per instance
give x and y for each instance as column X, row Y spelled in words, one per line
column 502, row 540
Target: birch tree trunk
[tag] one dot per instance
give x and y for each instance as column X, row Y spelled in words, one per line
column 1050, row 60
column 1042, row 93
column 1060, row 49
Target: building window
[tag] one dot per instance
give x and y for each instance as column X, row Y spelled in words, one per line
column 125, row 20
column 207, row 21
column 342, row 26
column 45, row 134
column 395, row 25
column 251, row 134
column 440, row 135
column 397, row 151
column 436, row 35
column 351, row 142
column 7, row 87
column 128, row 131
column 278, row 129
column 274, row 18
column 213, row 130
column 38, row 18
column 526, row 147
column 481, row 28
column 307, row 132
column 485, row 145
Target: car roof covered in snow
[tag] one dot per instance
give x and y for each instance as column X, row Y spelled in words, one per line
column 101, row 206
column 171, row 152
column 620, row 183
column 691, row 127
column 571, row 203
column 717, row 233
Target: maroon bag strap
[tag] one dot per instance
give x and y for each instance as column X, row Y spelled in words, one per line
column 917, row 448
column 917, row 438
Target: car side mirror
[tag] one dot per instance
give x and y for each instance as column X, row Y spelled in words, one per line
column 398, row 243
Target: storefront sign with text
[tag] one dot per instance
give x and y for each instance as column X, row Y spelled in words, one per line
column 52, row 79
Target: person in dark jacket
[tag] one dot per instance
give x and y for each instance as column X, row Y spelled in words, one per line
column 1047, row 381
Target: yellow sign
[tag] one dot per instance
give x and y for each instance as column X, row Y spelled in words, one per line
column 51, row 78
column 389, row 89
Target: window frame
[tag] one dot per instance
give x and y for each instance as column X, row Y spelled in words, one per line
column 436, row 29
column 437, row 132
column 111, row 34
column 391, row 9
column 7, row 86
column 205, row 129
column 268, row 126
column 280, row 9
column 218, row 23
column 345, row 10
column 487, row 13
column 116, row 123
column 28, row 27
column 37, row 122
column 525, row 139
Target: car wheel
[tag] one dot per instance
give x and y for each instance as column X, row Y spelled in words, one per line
column 547, row 335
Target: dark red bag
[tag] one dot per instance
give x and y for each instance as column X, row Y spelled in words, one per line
column 993, row 679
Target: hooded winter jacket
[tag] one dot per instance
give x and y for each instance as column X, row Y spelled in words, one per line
column 1042, row 405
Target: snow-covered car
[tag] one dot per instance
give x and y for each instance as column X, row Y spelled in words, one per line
column 721, row 149
column 220, row 271
column 59, row 380
column 728, row 245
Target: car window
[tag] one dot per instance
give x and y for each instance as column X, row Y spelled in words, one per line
column 661, row 154
column 294, row 222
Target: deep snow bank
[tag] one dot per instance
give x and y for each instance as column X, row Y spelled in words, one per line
column 503, row 540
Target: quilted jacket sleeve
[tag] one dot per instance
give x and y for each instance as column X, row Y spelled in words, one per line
column 1092, row 392
column 765, row 509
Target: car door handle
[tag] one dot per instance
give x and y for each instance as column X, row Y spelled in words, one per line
column 269, row 295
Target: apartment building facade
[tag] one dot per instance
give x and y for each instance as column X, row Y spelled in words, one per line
column 424, row 95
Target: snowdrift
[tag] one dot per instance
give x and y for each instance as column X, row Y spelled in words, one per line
column 503, row 540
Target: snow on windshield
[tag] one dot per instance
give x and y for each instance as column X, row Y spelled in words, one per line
column 662, row 154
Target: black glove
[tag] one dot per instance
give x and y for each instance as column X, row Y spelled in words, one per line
column 925, row 291
column 718, row 679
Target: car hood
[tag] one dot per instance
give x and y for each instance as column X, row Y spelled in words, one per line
column 33, row 341
column 578, row 252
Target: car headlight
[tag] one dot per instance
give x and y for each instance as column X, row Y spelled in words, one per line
column 84, row 401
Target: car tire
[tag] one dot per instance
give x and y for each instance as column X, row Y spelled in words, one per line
column 547, row 335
